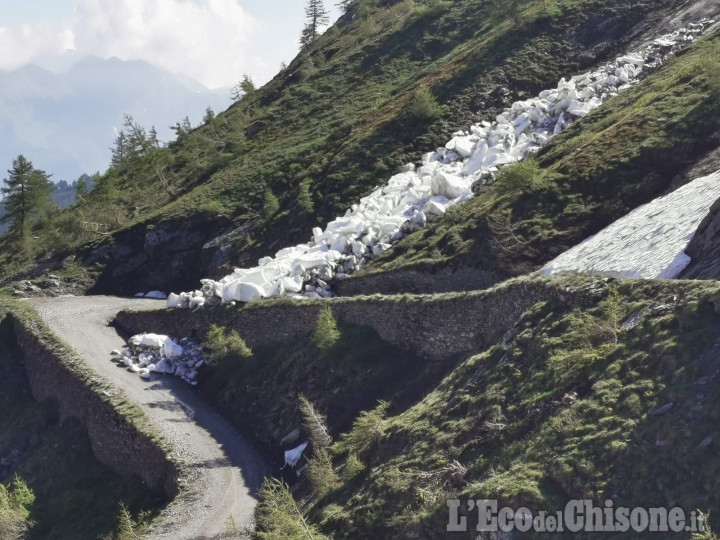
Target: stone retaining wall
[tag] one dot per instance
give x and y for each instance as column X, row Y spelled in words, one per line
column 116, row 440
column 433, row 326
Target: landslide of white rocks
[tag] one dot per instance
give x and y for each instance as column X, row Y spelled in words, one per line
column 448, row 176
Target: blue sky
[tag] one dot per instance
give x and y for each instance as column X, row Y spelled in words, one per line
column 213, row 41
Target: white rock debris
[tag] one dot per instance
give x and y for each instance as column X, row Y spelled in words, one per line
column 650, row 241
column 293, row 456
column 448, row 176
column 152, row 353
column 158, row 295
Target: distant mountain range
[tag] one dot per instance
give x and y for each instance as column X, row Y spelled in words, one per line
column 64, row 123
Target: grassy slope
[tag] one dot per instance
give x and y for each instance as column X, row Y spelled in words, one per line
column 336, row 122
column 76, row 497
column 620, row 156
column 560, row 412
column 342, row 380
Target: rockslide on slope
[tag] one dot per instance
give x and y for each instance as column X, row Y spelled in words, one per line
column 223, row 470
column 447, row 177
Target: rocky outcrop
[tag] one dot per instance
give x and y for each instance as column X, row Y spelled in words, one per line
column 704, row 248
column 118, row 441
column 432, row 326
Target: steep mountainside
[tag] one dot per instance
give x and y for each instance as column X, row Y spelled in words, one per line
column 646, row 141
column 532, row 392
column 338, row 121
column 602, row 390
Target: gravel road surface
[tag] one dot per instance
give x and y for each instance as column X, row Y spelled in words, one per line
column 217, row 500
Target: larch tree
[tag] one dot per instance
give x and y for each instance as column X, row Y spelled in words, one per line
column 82, row 188
column 120, row 150
column 316, row 17
column 27, row 194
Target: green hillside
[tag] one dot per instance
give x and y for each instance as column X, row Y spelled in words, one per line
column 624, row 154
column 611, row 401
column 608, row 398
column 388, row 82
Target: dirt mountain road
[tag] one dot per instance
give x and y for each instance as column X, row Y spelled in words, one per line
column 217, row 499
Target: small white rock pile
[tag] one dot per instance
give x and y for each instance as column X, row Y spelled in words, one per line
column 448, row 176
column 152, row 353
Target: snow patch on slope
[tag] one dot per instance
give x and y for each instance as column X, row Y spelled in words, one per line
column 650, row 241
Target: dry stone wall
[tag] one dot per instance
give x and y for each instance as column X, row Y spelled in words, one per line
column 116, row 441
column 433, row 326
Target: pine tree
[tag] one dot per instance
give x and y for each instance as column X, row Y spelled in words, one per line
column 120, row 150
column 316, row 17
column 272, row 205
column 305, row 199
column 315, row 424
column 209, row 115
column 27, row 195
column 326, row 333
column 153, row 137
column 81, row 187
column 137, row 139
column 244, row 88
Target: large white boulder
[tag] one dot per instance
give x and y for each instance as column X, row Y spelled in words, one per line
column 449, row 185
column 153, row 340
column 292, row 284
column 435, row 208
column 242, row 291
column 164, row 366
column 172, row 349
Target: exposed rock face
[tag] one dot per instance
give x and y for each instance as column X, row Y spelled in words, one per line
column 704, row 248
column 142, row 258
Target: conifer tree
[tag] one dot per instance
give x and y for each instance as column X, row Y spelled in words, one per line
column 244, row 88
column 209, row 115
column 316, row 17
column 153, row 137
column 120, row 150
column 314, row 423
column 81, row 187
column 27, row 195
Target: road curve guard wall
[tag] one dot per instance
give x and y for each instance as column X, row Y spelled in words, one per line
column 118, row 432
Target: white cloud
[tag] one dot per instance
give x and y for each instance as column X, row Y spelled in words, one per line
column 209, row 40
column 23, row 44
